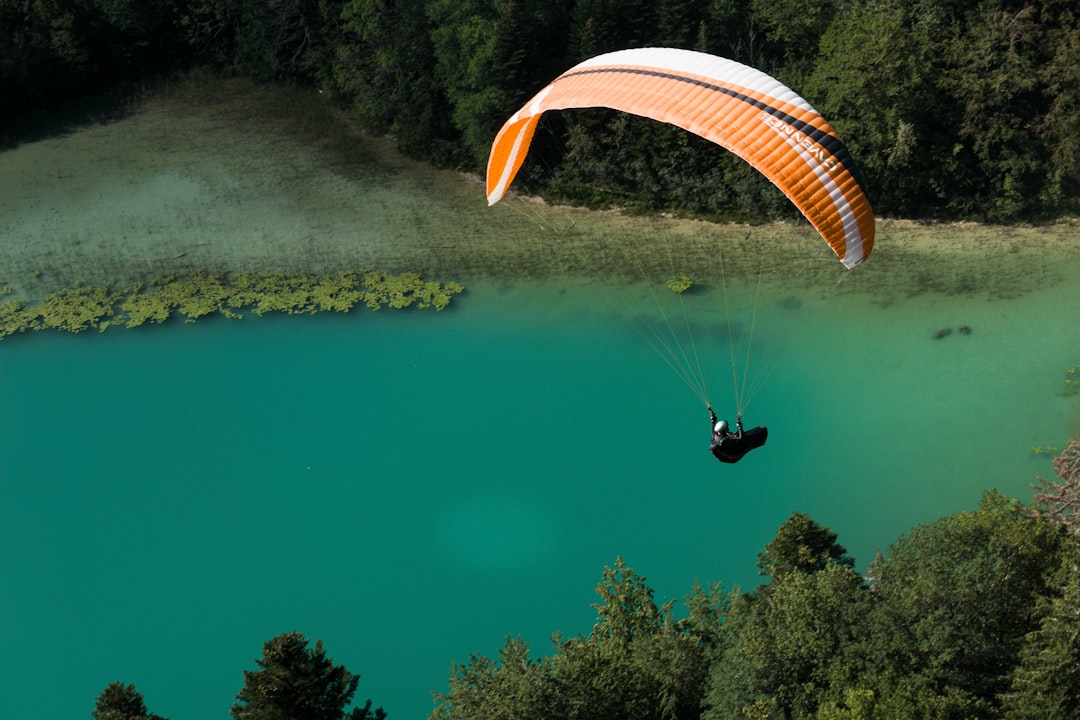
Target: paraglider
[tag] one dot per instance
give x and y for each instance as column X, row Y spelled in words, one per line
column 735, row 106
column 730, row 447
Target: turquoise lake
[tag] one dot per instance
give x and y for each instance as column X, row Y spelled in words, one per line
column 413, row 486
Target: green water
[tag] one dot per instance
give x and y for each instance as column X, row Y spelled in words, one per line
column 411, row 487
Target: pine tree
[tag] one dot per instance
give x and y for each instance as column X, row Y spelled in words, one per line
column 1046, row 683
column 801, row 545
column 121, row 702
column 294, row 683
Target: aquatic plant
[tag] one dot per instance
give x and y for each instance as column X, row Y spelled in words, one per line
column 680, row 284
column 198, row 295
column 14, row 318
column 1072, row 380
column 406, row 289
column 77, row 309
column 81, row 308
column 296, row 294
column 336, row 293
column 139, row 307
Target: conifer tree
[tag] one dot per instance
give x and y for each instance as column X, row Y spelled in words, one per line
column 121, row 702
column 1046, row 683
column 801, row 545
column 295, row 683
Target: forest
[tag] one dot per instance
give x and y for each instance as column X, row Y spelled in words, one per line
column 954, row 109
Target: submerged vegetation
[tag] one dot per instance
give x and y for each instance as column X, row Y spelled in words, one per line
column 1072, row 380
column 84, row 308
column 680, row 284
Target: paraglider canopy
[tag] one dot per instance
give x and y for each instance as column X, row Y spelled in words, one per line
column 733, row 105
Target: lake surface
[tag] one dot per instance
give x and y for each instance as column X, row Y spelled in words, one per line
column 415, row 486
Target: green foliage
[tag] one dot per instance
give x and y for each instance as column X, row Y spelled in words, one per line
column 280, row 40
column 955, row 599
column 1046, row 683
column 1072, row 380
column 1002, row 142
column 1059, row 128
column 788, row 649
column 297, row 683
column 382, row 68
column 680, row 284
column 204, row 294
column 77, row 309
column 121, row 702
column 490, row 56
column 141, row 307
column 637, row 663
column 514, row 685
column 873, row 79
column 54, row 50
column 934, row 631
column 16, row 318
column 971, row 616
column 801, row 545
column 405, row 290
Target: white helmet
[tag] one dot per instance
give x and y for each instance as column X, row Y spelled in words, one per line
column 720, row 426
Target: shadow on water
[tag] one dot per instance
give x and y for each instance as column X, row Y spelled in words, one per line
column 102, row 107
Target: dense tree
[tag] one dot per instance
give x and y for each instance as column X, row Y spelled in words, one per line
column 954, row 600
column 792, row 29
column 264, row 40
column 1046, row 682
column 935, row 634
column 801, row 545
column 295, row 683
column 1060, row 85
column 514, row 685
column 658, row 664
column 725, row 28
column 490, row 55
column 638, row 662
column 873, row 80
column 121, row 702
column 52, row 51
column 971, row 616
column 787, row 650
column 383, row 68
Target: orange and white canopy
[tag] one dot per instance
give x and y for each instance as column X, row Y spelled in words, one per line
column 735, row 106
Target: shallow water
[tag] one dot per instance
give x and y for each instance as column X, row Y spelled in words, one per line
column 412, row 487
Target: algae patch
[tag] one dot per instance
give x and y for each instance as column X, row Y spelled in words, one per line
column 82, row 308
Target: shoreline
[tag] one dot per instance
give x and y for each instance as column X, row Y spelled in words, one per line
column 228, row 182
